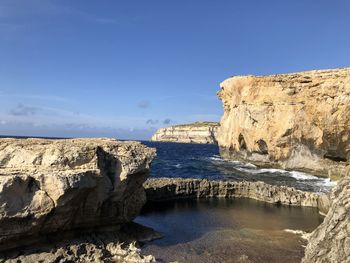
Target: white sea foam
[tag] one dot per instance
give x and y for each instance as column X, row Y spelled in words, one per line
column 326, row 183
column 250, row 165
column 178, row 165
column 272, row 170
column 302, row 176
column 322, row 183
column 237, row 163
column 214, row 158
column 302, row 233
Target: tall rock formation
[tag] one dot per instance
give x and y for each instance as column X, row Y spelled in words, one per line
column 198, row 132
column 330, row 242
column 296, row 121
column 56, row 185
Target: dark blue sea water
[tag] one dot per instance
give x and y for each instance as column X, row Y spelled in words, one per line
column 203, row 161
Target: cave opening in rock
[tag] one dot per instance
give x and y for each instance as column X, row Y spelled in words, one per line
column 242, row 143
column 334, row 158
column 262, row 146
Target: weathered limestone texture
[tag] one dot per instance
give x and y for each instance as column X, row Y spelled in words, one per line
column 296, row 121
column 163, row 189
column 54, row 185
column 330, row 242
column 198, row 132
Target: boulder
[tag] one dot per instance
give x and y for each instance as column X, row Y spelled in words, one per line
column 49, row 186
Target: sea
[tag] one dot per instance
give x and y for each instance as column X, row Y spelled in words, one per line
column 203, row 161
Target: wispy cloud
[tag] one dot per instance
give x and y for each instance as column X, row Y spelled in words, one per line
column 29, row 117
column 155, row 121
column 167, row 121
column 24, row 110
column 152, row 122
column 42, row 97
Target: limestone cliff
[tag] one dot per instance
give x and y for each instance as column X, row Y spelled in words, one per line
column 297, row 121
column 330, row 242
column 198, row 132
column 56, row 185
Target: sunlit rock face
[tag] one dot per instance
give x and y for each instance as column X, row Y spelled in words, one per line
column 198, row 132
column 295, row 121
column 56, row 185
column 330, row 242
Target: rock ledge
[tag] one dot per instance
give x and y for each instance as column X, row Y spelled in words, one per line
column 162, row 189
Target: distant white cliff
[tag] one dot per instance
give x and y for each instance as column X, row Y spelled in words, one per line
column 198, row 132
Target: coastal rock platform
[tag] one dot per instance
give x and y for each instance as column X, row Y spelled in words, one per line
column 163, row 189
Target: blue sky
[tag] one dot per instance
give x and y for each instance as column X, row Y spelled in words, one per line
column 125, row 68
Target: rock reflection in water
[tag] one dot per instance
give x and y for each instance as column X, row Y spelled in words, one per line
column 227, row 230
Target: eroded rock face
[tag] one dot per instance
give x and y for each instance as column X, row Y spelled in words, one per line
column 296, row 121
column 199, row 132
column 161, row 189
column 330, row 242
column 54, row 185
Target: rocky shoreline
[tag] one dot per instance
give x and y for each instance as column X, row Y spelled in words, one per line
column 198, row 132
column 163, row 189
column 71, row 190
column 298, row 121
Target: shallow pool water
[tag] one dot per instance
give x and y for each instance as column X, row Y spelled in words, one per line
column 227, row 230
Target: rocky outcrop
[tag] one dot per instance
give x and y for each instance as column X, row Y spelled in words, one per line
column 296, row 121
column 163, row 189
column 109, row 244
column 330, row 242
column 198, row 132
column 85, row 251
column 51, row 186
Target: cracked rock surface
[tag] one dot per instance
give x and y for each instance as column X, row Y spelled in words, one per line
column 49, row 186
